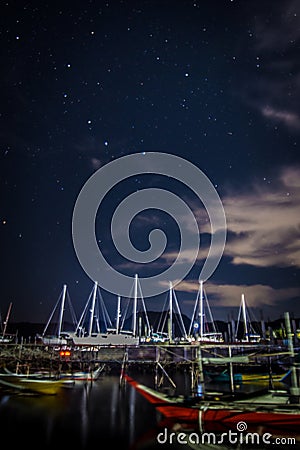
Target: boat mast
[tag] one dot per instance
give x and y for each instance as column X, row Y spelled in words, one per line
column 92, row 309
column 174, row 298
column 135, row 304
column 201, row 309
column 118, row 315
column 170, row 327
column 62, row 307
column 6, row 319
column 245, row 318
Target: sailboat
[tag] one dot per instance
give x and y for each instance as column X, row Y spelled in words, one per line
column 89, row 332
column 60, row 336
column 166, row 330
column 249, row 334
column 6, row 338
column 203, row 331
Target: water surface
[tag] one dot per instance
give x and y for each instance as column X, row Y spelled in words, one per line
column 99, row 415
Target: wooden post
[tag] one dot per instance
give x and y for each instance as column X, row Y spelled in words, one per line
column 295, row 391
column 200, row 374
column 231, row 376
column 124, row 365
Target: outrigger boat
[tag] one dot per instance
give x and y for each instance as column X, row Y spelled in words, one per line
column 265, row 408
column 269, row 409
column 244, row 378
column 37, row 383
column 41, row 383
column 90, row 375
column 33, row 384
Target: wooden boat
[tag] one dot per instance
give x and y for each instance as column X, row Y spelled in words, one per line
column 90, row 375
column 255, row 378
column 270, row 409
column 266, row 410
column 33, row 383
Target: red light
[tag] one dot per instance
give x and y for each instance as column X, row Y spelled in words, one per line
column 65, row 353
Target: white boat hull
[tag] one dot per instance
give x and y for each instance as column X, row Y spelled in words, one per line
column 105, row 339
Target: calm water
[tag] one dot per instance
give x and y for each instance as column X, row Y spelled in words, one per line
column 96, row 415
column 99, row 413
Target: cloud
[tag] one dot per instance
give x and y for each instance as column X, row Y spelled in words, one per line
column 283, row 30
column 229, row 295
column 288, row 118
column 263, row 225
column 95, row 163
column 265, row 222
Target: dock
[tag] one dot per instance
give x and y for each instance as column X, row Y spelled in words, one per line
column 33, row 357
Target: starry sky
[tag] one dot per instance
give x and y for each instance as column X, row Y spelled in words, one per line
column 216, row 82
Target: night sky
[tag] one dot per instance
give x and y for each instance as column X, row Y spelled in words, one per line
column 216, row 82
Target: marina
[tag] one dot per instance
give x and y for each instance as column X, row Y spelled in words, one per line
column 168, row 345
column 149, row 227
column 114, row 413
column 131, row 323
column 228, row 365
column 147, row 390
column 188, row 378
column 185, row 356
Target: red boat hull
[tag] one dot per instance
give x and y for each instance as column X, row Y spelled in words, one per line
column 205, row 417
